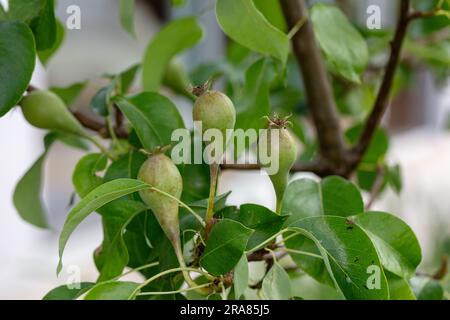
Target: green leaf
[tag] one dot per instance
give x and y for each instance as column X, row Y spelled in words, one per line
column 101, row 99
column 240, row 277
column 27, row 194
column 397, row 246
column 100, row 196
column 16, row 45
column 45, row 55
column 153, row 116
column 197, row 177
column 271, row 9
column 25, row 10
column 225, row 246
column 173, row 39
column 427, row 288
column 263, row 221
column 112, row 291
column 332, row 196
column 114, row 254
column 126, row 11
column 69, row 94
column 45, row 27
column 399, row 288
column 254, row 102
column 344, row 48
column 276, row 284
column 126, row 167
column 242, row 22
column 348, row 255
column 378, row 146
column 65, row 293
column 85, row 177
column 340, row 197
column 127, row 78
column 394, row 178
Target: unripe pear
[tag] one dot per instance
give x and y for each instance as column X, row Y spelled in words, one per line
column 216, row 111
column 176, row 78
column 285, row 147
column 161, row 173
column 46, row 110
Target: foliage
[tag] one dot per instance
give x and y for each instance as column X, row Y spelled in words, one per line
column 322, row 224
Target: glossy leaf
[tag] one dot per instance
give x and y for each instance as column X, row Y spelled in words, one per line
column 27, row 194
column 254, row 102
column 263, row 221
column 344, row 48
column 114, row 254
column 153, row 116
column 65, row 292
column 394, row 240
column 240, row 277
column 126, row 10
column 399, row 288
column 348, row 255
column 173, row 39
column 242, row 22
column 47, row 54
column 126, row 167
column 85, row 177
column 101, row 100
column 45, row 27
column 276, row 284
column 332, row 196
column 112, row 291
column 16, row 44
column 25, row 10
column 271, row 9
column 100, row 196
column 225, row 246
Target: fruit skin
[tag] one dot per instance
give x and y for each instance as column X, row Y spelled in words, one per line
column 46, row 110
column 286, row 147
column 215, row 110
column 161, row 173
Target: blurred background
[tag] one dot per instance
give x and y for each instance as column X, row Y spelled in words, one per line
column 418, row 123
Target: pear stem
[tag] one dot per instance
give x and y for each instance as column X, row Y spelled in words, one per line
column 214, row 172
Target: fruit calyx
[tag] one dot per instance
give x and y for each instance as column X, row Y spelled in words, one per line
column 278, row 122
column 202, row 88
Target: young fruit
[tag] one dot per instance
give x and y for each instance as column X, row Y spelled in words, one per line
column 161, row 173
column 282, row 145
column 45, row 110
column 176, row 78
column 215, row 111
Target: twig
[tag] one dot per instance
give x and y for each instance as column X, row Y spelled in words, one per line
column 442, row 272
column 382, row 99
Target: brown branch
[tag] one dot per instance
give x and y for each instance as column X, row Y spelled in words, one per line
column 99, row 126
column 443, row 269
column 317, row 167
column 317, row 84
column 382, row 100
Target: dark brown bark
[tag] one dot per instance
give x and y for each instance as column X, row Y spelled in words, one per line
column 318, row 89
column 383, row 97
